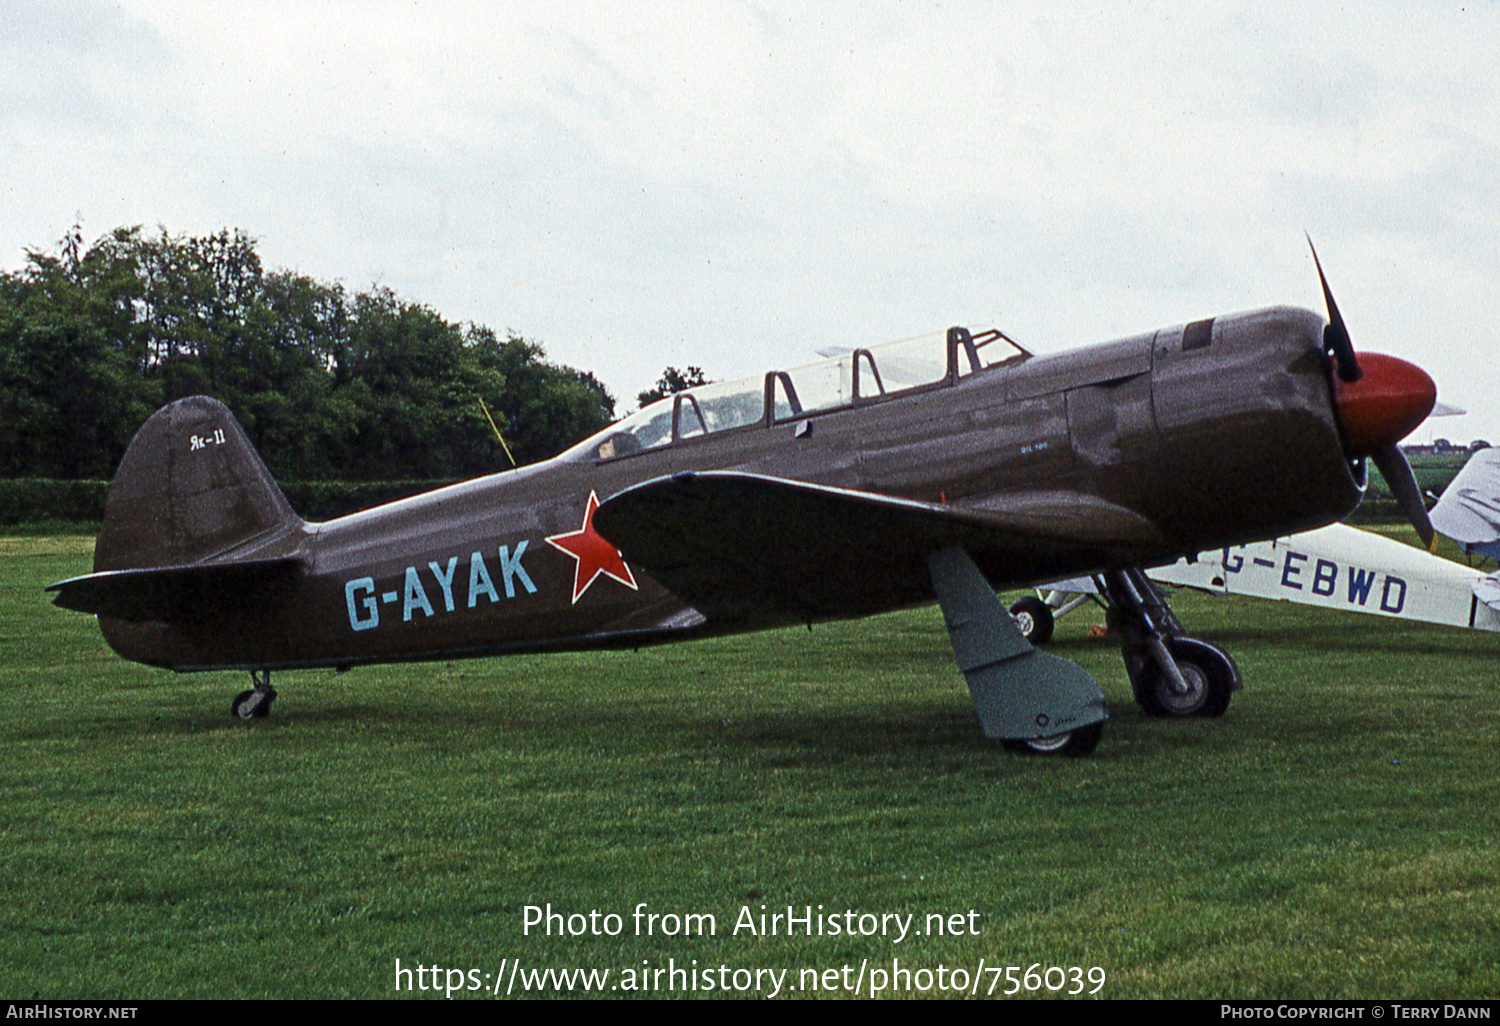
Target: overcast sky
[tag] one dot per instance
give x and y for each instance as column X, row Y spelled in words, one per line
column 738, row 184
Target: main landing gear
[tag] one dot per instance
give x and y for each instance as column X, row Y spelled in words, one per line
column 256, row 704
column 1029, row 700
column 1170, row 673
column 1078, row 742
column 1033, row 618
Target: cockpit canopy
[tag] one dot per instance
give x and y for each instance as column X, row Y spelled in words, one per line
column 844, row 378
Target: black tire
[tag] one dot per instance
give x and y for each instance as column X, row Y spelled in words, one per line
column 1208, row 672
column 1033, row 618
column 1143, row 681
column 259, row 712
column 1074, row 744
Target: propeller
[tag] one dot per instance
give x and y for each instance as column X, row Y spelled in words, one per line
column 1335, row 334
column 1398, row 474
column 1378, row 403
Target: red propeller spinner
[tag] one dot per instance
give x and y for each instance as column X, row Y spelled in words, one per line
column 1385, row 405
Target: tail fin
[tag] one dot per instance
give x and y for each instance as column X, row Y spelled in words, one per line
column 192, row 488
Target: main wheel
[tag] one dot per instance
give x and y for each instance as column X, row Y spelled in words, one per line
column 1208, row 673
column 1033, row 619
column 1074, row 743
column 242, row 708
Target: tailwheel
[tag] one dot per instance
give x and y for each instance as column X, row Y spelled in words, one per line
column 256, row 704
column 1208, row 679
column 1074, row 743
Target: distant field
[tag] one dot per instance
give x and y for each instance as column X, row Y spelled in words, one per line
column 1335, row 835
column 1433, row 471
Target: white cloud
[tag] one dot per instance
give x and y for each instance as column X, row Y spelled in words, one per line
column 733, row 184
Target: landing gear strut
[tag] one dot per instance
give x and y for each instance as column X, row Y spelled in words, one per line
column 256, row 704
column 1170, row 673
column 1031, row 701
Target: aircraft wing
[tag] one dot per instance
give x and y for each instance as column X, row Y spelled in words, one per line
column 1341, row 567
column 176, row 593
column 1469, row 510
column 747, row 549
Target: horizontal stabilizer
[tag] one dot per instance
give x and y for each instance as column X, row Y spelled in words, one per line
column 178, row 593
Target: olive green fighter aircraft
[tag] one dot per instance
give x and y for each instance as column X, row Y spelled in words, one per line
column 941, row 467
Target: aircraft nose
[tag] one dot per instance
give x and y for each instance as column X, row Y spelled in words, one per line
column 1384, row 405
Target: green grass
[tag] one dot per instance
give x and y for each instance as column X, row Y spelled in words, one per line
column 1335, row 835
column 53, row 529
column 1433, row 471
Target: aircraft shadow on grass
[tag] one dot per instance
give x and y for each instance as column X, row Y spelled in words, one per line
column 1324, row 638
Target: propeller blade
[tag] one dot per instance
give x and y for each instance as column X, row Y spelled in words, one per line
column 1397, row 473
column 1335, row 335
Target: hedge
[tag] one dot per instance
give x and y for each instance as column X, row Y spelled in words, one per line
column 30, row 500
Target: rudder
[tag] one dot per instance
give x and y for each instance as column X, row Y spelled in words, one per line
column 192, row 488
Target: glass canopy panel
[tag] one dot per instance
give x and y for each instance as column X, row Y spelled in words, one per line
column 646, row 428
column 881, row 370
column 908, row 363
column 725, row 405
column 992, row 347
column 650, row 426
column 819, row 386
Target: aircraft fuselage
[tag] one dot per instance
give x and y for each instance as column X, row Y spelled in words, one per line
column 1134, row 452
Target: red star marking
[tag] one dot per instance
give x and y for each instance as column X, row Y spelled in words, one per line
column 595, row 556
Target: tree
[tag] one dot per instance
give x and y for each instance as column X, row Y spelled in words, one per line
column 671, row 382
column 70, row 395
column 326, row 384
column 542, row 408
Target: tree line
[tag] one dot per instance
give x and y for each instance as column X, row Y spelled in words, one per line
column 329, row 385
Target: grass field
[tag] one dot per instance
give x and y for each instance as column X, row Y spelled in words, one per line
column 1335, row 835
